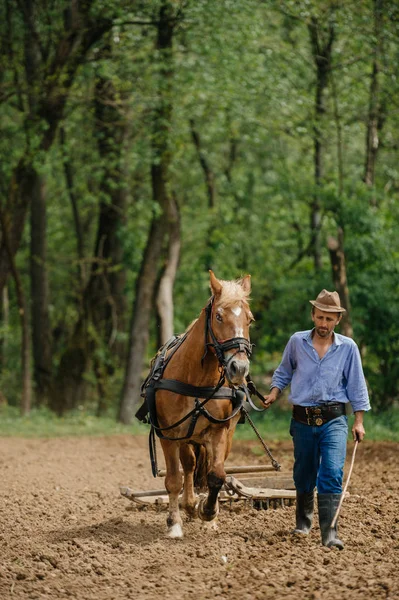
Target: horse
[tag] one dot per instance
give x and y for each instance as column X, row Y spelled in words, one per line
column 198, row 399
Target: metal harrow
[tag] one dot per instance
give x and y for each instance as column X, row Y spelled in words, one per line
column 258, row 491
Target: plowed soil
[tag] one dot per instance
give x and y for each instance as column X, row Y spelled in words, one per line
column 66, row 532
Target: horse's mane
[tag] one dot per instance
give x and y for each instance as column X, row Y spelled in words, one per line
column 232, row 294
column 191, row 324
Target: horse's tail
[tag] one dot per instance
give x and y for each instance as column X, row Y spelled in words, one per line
column 201, row 468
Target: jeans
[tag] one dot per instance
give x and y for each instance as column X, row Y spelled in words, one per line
column 319, row 454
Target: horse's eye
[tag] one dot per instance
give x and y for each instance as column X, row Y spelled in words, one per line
column 219, row 318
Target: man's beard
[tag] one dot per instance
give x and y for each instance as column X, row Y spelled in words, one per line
column 323, row 332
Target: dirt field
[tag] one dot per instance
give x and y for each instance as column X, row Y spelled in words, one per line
column 65, row 531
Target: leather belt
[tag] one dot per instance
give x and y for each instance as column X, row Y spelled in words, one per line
column 318, row 415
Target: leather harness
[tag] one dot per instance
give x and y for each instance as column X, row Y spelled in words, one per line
column 155, row 381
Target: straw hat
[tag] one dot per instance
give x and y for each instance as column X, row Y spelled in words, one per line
column 328, row 302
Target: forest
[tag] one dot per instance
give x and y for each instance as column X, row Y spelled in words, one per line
column 144, row 142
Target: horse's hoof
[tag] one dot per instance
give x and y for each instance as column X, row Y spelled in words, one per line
column 205, row 515
column 210, row 526
column 175, row 532
column 191, row 512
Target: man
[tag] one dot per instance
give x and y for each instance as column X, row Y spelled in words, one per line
column 325, row 372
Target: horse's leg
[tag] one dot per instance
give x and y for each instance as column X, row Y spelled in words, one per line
column 188, row 460
column 209, row 508
column 173, row 484
column 229, row 443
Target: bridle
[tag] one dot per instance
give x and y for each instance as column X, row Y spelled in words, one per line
column 221, row 347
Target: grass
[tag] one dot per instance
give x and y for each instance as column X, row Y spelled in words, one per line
column 44, row 423
column 382, row 427
column 272, row 425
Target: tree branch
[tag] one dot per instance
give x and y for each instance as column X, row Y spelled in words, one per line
column 153, row 23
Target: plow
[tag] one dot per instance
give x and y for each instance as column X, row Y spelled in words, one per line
column 257, row 486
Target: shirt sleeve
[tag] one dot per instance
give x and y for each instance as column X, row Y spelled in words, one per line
column 283, row 374
column 356, row 387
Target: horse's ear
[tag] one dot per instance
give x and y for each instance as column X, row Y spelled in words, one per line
column 216, row 286
column 246, row 283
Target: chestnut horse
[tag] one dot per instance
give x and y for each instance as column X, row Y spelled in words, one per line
column 209, row 365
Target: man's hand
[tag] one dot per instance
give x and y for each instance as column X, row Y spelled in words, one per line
column 270, row 398
column 358, row 431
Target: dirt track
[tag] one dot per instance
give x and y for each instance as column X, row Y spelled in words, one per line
column 65, row 532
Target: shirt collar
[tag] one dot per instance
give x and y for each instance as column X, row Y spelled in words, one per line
column 307, row 336
column 337, row 339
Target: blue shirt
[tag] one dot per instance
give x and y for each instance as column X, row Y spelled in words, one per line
column 337, row 377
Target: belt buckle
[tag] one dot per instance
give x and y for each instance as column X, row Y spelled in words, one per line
column 309, row 415
column 315, row 418
column 317, row 415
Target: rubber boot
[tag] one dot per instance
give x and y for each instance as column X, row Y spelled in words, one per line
column 304, row 512
column 328, row 504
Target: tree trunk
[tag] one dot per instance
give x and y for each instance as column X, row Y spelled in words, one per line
column 5, row 319
column 26, row 400
column 139, row 333
column 22, row 182
column 209, row 176
column 111, row 132
column 336, row 245
column 108, row 277
column 41, row 330
column 375, row 117
column 165, row 290
column 322, row 58
column 70, row 387
column 106, row 306
column 69, row 179
column 146, row 282
column 337, row 257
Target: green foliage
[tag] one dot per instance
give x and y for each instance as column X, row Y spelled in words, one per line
column 244, row 74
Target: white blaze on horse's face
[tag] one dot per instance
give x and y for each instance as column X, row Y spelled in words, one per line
column 239, row 332
column 233, row 322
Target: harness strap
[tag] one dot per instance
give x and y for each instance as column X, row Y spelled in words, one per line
column 160, row 361
column 153, row 452
column 193, row 413
column 185, row 389
column 237, row 397
column 241, row 398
